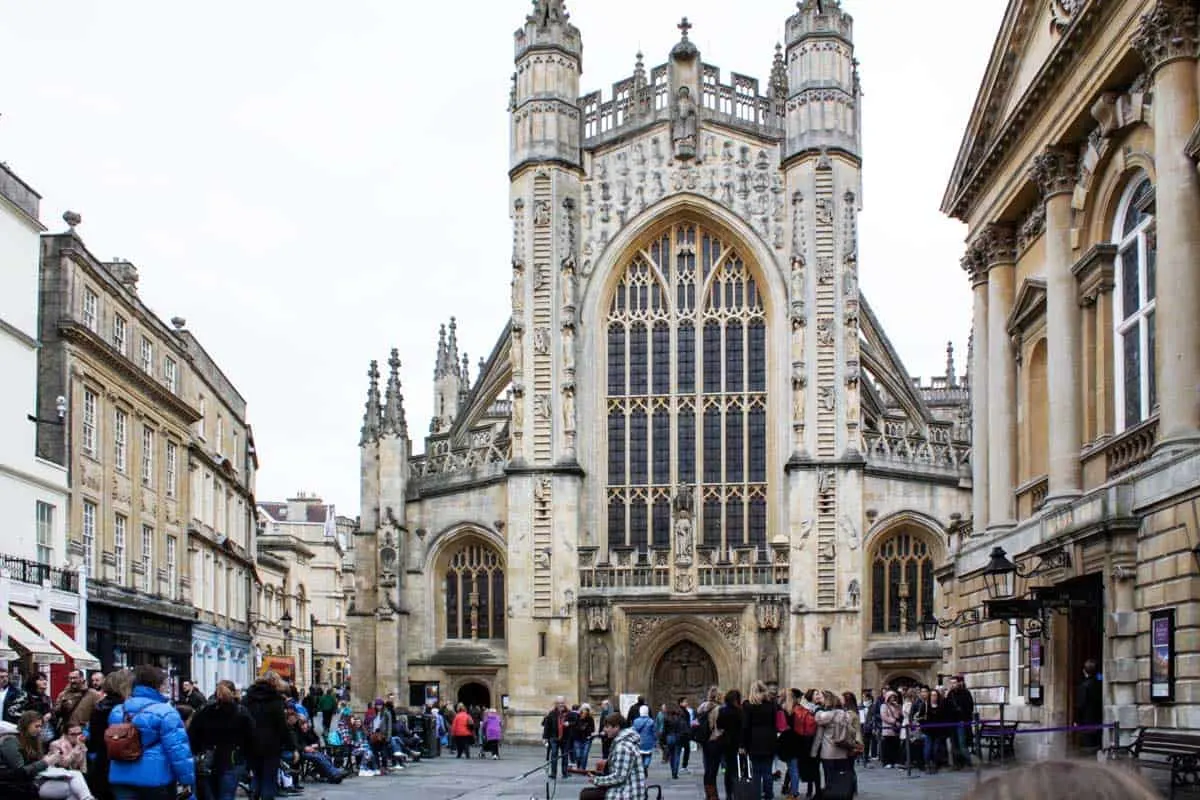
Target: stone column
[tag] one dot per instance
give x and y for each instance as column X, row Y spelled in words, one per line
column 974, row 263
column 1055, row 171
column 1167, row 39
column 999, row 242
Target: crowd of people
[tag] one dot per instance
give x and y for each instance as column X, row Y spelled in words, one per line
column 807, row 740
column 123, row 736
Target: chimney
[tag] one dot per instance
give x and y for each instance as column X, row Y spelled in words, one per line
column 124, row 272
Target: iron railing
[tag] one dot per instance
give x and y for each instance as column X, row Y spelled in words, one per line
column 25, row 571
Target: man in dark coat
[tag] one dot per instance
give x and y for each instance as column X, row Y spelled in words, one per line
column 190, row 693
column 1089, row 705
column 962, row 710
column 12, row 699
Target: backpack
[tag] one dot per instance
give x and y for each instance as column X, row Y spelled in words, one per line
column 122, row 741
column 843, row 733
column 803, row 722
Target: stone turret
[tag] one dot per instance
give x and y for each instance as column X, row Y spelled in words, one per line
column 545, row 110
column 823, row 104
column 369, row 449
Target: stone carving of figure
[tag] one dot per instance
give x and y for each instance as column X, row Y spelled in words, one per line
column 768, row 659
column 518, row 290
column 541, row 406
column 824, row 211
column 568, row 283
column 541, row 341
column 824, row 481
column 598, row 664
column 683, row 126
column 541, row 213
column 825, row 332
column 853, row 593
column 516, row 355
column 805, row 531
column 683, row 540
column 828, row 399
column 568, row 406
column 518, row 407
column 568, row 348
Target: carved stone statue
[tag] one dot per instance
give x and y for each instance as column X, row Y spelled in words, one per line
column 568, row 283
column 568, row 348
column 768, row 658
column 518, row 407
column 518, row 290
column 683, row 125
column 541, row 213
column 568, row 406
column 541, row 406
column 683, row 541
column 541, row 341
column 516, row 352
column 598, row 664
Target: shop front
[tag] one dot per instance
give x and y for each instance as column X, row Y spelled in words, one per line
column 133, row 634
column 219, row 654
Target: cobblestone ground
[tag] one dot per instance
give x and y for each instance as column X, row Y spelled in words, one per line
column 517, row 775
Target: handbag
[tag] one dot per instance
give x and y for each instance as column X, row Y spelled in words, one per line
column 122, row 741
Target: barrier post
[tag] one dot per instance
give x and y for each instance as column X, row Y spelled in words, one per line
column 1002, row 735
column 907, row 728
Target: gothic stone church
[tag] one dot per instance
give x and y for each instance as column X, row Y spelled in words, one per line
column 693, row 457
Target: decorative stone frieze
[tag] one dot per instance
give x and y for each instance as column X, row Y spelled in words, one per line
column 1168, row 32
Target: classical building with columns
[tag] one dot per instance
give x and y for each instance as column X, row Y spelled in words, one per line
column 1078, row 180
column 693, row 456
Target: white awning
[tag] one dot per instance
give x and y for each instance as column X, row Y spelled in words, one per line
column 20, row 634
column 57, row 637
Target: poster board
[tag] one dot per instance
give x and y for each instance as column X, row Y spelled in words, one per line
column 284, row 665
column 1162, row 656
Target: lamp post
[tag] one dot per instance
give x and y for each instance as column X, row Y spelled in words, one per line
column 285, row 623
column 1000, row 575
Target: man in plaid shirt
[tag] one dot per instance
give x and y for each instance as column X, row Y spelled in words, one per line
column 623, row 778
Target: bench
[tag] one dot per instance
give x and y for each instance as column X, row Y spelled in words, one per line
column 997, row 739
column 1168, row 750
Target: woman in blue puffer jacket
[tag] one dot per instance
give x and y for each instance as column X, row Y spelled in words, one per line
column 166, row 761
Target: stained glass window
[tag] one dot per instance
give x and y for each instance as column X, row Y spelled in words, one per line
column 475, row 593
column 901, row 582
column 687, row 366
column 1133, row 233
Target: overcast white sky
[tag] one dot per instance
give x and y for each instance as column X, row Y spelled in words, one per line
column 311, row 183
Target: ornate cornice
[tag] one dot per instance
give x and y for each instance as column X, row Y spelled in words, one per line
column 990, row 140
column 1168, row 32
column 1055, row 170
column 999, row 243
column 81, row 336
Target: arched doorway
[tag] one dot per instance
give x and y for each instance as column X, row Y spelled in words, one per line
column 685, row 670
column 475, row 694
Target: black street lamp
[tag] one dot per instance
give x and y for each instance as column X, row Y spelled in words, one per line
column 930, row 625
column 285, row 622
column 1000, row 575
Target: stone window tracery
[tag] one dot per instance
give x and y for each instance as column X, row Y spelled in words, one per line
column 475, row 604
column 1133, row 312
column 901, row 583
column 687, row 401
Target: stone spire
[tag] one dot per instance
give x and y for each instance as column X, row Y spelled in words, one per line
column 950, row 378
column 394, row 422
column 779, row 76
column 371, row 417
column 466, row 369
column 452, row 361
column 440, row 368
column 549, row 25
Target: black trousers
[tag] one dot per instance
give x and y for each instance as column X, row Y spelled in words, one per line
column 712, row 754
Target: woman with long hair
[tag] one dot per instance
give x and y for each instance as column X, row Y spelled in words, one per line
column 222, row 733
column 114, row 688
column 759, row 732
column 891, row 717
column 36, row 697
column 265, row 704
column 834, row 728
column 27, row 772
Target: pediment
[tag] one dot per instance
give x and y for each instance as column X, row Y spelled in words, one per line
column 1029, row 306
column 1029, row 38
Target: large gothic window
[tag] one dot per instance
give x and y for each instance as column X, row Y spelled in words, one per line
column 901, row 582
column 1134, row 312
column 475, row 604
column 687, row 392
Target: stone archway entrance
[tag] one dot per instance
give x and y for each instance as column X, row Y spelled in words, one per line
column 685, row 670
column 474, row 694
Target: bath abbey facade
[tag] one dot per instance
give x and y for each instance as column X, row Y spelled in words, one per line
column 693, row 456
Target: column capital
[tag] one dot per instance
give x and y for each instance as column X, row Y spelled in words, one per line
column 1055, row 170
column 974, row 263
column 1167, row 33
column 998, row 243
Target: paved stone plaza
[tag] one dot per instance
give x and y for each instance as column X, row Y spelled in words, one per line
column 511, row 777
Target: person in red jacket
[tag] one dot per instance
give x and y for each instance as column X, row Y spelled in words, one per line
column 462, row 730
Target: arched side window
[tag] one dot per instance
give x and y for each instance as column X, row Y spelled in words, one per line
column 901, row 582
column 687, row 392
column 475, row 604
column 1133, row 308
